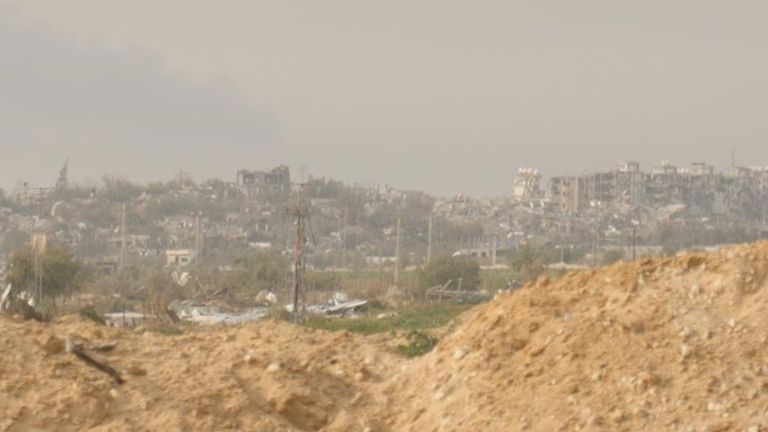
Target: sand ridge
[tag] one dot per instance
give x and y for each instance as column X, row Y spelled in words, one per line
column 677, row 344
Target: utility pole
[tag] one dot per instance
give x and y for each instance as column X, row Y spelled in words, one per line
column 380, row 268
column 198, row 235
column 493, row 252
column 429, row 238
column 39, row 274
column 344, row 239
column 634, row 242
column 299, row 210
column 38, row 247
column 635, row 224
column 594, row 249
column 123, row 238
column 397, row 254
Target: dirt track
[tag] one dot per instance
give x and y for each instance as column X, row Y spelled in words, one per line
column 662, row 344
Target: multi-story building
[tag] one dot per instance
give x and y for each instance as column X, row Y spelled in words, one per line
column 737, row 195
column 265, row 184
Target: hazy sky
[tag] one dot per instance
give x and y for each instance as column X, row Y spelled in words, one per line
column 444, row 96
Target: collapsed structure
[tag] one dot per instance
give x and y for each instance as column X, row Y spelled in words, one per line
column 355, row 225
column 265, row 184
column 738, row 195
column 527, row 185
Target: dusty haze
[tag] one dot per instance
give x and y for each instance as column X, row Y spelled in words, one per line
column 445, row 96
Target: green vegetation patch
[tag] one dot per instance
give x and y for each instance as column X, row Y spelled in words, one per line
column 419, row 343
column 415, row 318
column 91, row 314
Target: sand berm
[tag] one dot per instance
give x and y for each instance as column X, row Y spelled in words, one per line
column 659, row 344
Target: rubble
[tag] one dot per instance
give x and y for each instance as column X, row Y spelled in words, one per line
column 75, row 349
column 126, row 319
column 590, row 212
column 212, row 314
column 338, row 305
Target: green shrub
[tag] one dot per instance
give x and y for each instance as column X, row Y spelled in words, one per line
column 415, row 318
column 419, row 343
column 91, row 314
column 449, row 268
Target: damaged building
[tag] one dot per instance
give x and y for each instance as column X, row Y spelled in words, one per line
column 265, row 184
column 527, row 185
column 738, row 194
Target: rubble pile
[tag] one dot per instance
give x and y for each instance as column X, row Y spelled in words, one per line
column 658, row 344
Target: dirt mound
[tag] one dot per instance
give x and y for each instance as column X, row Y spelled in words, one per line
column 267, row 376
column 658, row 344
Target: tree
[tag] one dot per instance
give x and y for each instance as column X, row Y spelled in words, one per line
column 119, row 190
column 449, row 268
column 62, row 182
column 527, row 261
column 256, row 271
column 59, row 270
column 523, row 257
column 161, row 288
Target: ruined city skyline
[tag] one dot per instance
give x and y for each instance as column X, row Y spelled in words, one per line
column 597, row 215
column 521, row 181
column 366, row 215
column 436, row 96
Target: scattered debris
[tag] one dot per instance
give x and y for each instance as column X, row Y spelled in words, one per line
column 72, row 348
column 441, row 293
column 266, row 298
column 552, row 355
column 211, row 314
column 339, row 305
column 103, row 346
column 126, row 319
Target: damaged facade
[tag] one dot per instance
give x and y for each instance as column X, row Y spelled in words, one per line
column 264, row 184
column 738, row 194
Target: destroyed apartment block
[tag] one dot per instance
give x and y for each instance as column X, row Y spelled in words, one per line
column 265, row 184
column 527, row 185
column 736, row 195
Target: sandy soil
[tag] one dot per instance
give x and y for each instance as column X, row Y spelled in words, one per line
column 677, row 344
